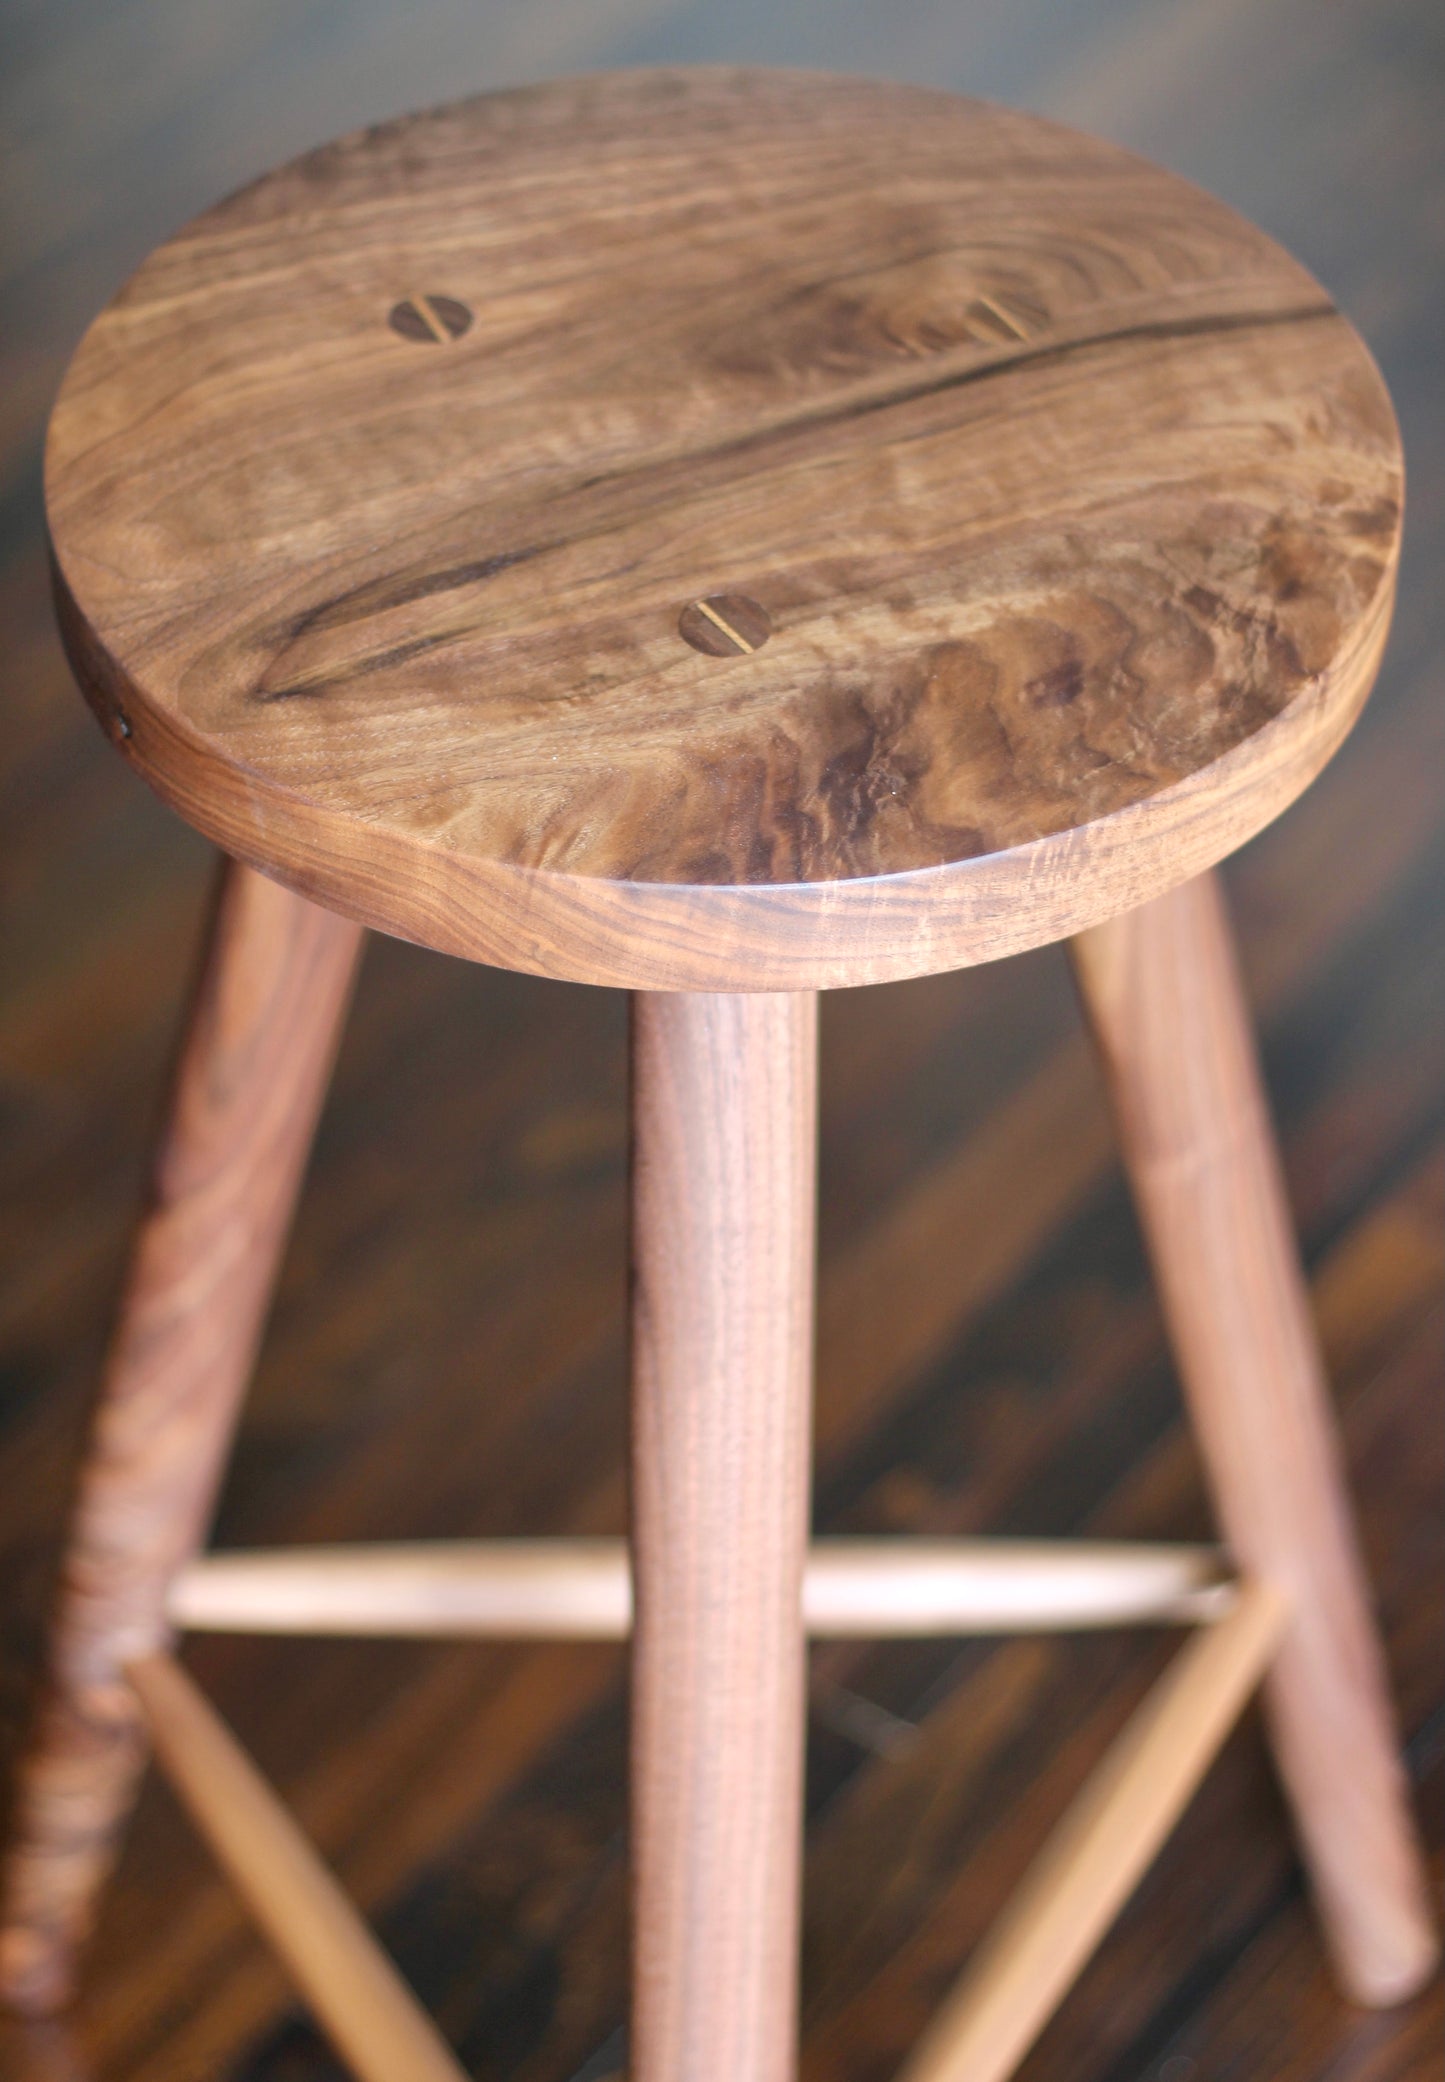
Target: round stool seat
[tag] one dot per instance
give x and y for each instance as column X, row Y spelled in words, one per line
column 724, row 530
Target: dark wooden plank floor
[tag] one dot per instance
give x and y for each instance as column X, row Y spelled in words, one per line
column 446, row 1355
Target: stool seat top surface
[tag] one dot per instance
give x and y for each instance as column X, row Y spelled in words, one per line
column 724, row 529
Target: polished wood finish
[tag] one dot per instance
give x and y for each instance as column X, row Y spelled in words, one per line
column 248, row 1086
column 724, row 1128
column 1094, row 1860
column 1164, row 999
column 989, row 1353
column 582, row 1589
column 578, row 1590
column 1099, row 1851
column 369, row 2014
column 1069, row 504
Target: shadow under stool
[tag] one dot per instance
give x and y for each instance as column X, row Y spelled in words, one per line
column 725, row 535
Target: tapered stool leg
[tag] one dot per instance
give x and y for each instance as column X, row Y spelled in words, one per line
column 1163, row 995
column 249, row 1081
column 724, row 1113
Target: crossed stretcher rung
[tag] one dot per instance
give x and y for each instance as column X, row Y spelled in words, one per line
column 582, row 1589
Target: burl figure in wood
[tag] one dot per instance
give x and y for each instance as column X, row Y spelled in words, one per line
column 725, row 535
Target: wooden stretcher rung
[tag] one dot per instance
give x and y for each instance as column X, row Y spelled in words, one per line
column 1099, row 1852
column 365, row 2008
column 581, row 1589
column 1022, row 1970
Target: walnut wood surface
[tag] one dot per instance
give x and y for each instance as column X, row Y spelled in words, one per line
column 249, row 1084
column 989, row 1353
column 1164, row 998
column 1061, row 504
column 724, row 1116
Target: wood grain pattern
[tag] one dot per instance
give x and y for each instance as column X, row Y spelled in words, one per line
column 1071, row 505
column 1164, row 999
column 1099, row 1851
column 724, row 1156
column 451, row 1797
column 369, row 2014
column 994, row 1372
column 249, row 1083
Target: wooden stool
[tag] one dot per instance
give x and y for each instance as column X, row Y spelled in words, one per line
column 726, row 535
